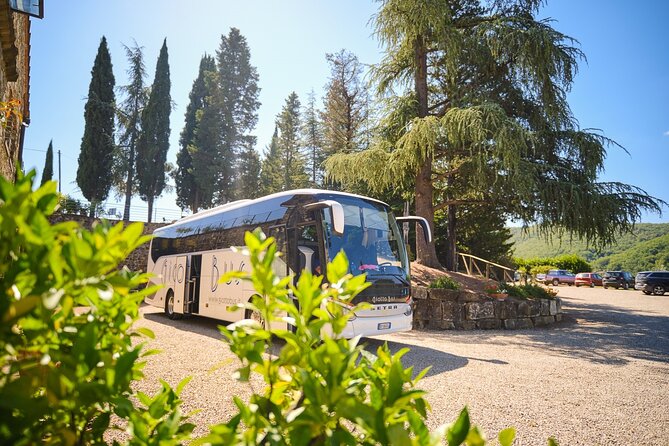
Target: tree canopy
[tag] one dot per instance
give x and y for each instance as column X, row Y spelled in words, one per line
column 97, row 144
column 154, row 141
column 476, row 111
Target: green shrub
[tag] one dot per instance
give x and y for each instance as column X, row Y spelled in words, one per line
column 321, row 388
column 67, row 351
column 530, row 291
column 541, row 269
column 446, row 283
column 570, row 262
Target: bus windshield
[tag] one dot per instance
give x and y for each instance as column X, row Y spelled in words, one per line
column 371, row 239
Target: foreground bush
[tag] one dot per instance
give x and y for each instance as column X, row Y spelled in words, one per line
column 323, row 389
column 66, row 350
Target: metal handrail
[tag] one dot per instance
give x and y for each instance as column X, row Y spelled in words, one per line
column 473, row 267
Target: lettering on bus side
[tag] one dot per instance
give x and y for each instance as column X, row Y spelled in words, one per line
column 227, row 267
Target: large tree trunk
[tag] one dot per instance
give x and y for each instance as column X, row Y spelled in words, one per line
column 426, row 253
column 150, row 202
column 129, row 180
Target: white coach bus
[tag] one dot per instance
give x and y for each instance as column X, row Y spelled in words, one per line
column 189, row 256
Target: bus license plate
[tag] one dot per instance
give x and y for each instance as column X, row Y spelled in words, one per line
column 383, row 326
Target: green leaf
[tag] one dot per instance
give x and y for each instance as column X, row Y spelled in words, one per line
column 457, row 432
column 507, row 436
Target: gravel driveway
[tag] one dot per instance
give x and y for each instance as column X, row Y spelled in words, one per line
column 600, row 377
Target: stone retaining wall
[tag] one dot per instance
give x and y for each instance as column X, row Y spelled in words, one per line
column 464, row 310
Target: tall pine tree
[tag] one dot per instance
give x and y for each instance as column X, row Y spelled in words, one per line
column 47, row 173
column 97, row 144
column 345, row 105
column 271, row 178
column 248, row 183
column 188, row 193
column 290, row 148
column 313, row 140
column 154, row 141
column 129, row 115
column 237, row 103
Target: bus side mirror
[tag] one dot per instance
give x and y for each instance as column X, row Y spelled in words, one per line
column 427, row 233
column 336, row 214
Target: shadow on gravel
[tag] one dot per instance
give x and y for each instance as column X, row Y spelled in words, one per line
column 606, row 334
column 194, row 324
column 421, row 357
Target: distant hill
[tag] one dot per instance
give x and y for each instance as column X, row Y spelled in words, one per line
column 645, row 249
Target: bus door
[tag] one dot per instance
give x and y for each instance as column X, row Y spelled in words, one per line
column 194, row 274
column 180, row 282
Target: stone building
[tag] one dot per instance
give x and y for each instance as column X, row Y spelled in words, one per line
column 14, row 86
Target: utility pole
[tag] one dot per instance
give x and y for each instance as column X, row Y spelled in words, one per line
column 59, row 179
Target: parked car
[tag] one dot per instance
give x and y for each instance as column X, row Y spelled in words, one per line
column 618, row 279
column 652, row 282
column 558, row 276
column 588, row 279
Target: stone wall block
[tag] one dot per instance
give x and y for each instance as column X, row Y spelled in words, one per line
column 524, row 309
column 444, row 295
column 465, row 325
column 542, row 321
column 452, row 311
column 479, row 310
column 468, row 296
column 553, row 308
column 535, row 308
column 558, row 303
column 545, row 307
column 489, row 324
column 517, row 324
column 434, row 309
column 419, row 292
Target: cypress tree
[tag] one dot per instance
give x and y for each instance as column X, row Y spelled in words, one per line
column 237, row 104
column 188, row 193
column 97, row 144
column 129, row 117
column 47, row 173
column 154, row 141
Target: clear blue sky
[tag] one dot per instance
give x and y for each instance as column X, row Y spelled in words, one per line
column 622, row 89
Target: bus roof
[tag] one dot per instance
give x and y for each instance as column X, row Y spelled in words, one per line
column 239, row 204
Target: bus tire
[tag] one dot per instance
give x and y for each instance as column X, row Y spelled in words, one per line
column 169, row 306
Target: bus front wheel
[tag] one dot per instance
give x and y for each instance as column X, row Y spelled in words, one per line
column 169, row 306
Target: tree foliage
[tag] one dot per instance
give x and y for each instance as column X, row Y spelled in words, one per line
column 129, row 116
column 345, row 105
column 69, row 355
column 154, row 140
column 47, row 172
column 236, row 102
column 188, row 193
column 97, row 144
column 271, row 179
column 312, row 137
column 477, row 111
column 293, row 165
